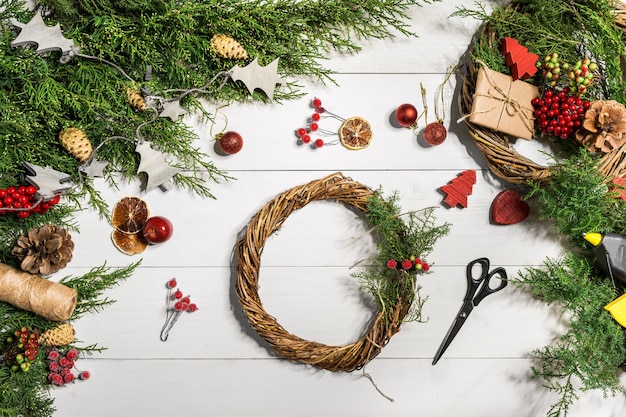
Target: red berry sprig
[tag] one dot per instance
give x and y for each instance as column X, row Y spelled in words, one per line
column 23, row 201
column 558, row 113
column 60, row 367
column 410, row 264
column 20, row 349
column 177, row 303
column 304, row 133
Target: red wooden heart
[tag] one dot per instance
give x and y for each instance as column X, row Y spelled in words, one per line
column 508, row 208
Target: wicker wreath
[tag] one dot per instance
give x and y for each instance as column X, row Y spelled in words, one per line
column 269, row 220
column 502, row 159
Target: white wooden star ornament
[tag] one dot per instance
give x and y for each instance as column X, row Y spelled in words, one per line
column 173, row 110
column 48, row 181
column 46, row 38
column 94, row 168
column 155, row 164
column 255, row 76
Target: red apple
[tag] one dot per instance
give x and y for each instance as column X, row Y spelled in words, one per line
column 157, row 229
column 231, row 142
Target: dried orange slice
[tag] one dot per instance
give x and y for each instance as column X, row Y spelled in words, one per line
column 129, row 215
column 355, row 133
column 129, row 244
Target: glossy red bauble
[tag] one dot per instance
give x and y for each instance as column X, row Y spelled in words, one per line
column 406, row 115
column 231, row 142
column 157, row 229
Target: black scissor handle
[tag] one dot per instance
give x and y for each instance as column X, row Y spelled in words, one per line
column 483, row 281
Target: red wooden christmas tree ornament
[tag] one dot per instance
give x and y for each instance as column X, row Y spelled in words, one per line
column 459, row 188
column 521, row 62
column 508, row 208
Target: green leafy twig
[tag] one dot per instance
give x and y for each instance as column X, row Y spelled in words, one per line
column 398, row 239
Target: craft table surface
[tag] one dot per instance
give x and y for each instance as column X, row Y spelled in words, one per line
column 213, row 364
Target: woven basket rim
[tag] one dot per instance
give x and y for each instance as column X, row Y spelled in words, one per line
column 502, row 159
column 268, row 220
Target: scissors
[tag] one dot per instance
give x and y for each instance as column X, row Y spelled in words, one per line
column 477, row 290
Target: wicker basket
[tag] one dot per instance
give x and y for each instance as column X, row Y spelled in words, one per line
column 269, row 220
column 502, row 159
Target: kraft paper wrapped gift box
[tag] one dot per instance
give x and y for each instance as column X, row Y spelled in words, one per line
column 504, row 105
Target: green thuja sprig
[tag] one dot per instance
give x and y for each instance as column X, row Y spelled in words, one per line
column 577, row 199
column 399, row 235
column 92, row 285
column 588, row 354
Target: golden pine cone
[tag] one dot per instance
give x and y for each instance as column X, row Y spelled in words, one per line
column 226, row 47
column 604, row 126
column 44, row 250
column 61, row 335
column 136, row 100
column 76, row 142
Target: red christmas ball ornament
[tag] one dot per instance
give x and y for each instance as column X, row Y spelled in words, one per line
column 435, row 133
column 157, row 229
column 230, row 142
column 406, row 115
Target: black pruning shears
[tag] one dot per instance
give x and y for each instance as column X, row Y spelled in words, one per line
column 477, row 289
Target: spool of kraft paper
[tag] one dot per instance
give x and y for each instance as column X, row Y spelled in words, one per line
column 45, row 298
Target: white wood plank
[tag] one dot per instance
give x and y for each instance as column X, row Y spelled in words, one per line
column 486, row 388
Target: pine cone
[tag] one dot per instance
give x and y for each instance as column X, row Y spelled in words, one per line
column 136, row 99
column 226, row 47
column 61, row 335
column 76, row 142
column 604, row 127
column 44, row 250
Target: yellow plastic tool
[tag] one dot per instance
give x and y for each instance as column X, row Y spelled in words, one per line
column 594, row 238
column 617, row 308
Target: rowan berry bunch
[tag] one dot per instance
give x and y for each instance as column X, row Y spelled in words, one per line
column 559, row 113
column 580, row 75
column 409, row 264
column 20, row 349
column 23, row 201
column 60, row 367
column 177, row 304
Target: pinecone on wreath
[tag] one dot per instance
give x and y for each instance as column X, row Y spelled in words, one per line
column 604, row 126
column 44, row 250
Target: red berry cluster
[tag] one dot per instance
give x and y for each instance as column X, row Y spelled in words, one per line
column 558, row 113
column 304, row 133
column 177, row 303
column 22, row 349
column 22, row 201
column 60, row 365
column 410, row 264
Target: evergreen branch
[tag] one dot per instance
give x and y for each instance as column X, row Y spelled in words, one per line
column 93, row 284
column 399, row 240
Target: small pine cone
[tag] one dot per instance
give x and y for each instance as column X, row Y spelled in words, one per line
column 76, row 142
column 136, row 100
column 226, row 47
column 61, row 335
column 44, row 250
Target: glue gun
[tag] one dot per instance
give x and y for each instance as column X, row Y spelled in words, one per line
column 610, row 250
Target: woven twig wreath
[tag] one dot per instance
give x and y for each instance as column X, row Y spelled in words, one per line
column 502, row 159
column 269, row 220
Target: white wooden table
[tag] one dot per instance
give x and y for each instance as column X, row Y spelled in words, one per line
column 213, row 364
